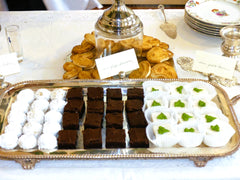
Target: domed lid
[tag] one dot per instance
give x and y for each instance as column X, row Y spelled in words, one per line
column 119, row 21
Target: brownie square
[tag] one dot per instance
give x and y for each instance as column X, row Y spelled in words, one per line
column 74, row 93
column 95, row 93
column 67, row 139
column 115, row 138
column 114, row 94
column 135, row 93
column 114, row 105
column 93, row 120
column 70, row 121
column 92, row 138
column 138, row 138
column 134, row 105
column 75, row 105
column 114, row 120
column 95, row 107
column 136, row 119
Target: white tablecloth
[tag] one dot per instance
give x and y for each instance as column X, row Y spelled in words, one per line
column 48, row 37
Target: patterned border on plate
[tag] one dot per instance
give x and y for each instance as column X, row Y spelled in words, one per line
column 191, row 8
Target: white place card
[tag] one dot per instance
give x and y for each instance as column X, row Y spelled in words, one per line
column 9, row 64
column 113, row 64
column 214, row 64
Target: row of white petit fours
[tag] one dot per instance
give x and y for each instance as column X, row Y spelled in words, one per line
column 34, row 119
column 198, row 121
column 177, row 88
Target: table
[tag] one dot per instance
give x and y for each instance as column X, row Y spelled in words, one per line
column 47, row 39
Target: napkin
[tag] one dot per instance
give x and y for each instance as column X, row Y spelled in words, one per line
column 71, row 4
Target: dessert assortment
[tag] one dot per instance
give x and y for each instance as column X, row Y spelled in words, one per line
column 185, row 114
column 155, row 60
column 166, row 114
column 115, row 119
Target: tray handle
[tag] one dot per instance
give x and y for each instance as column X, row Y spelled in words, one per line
column 3, row 84
column 235, row 99
column 200, row 161
column 27, row 163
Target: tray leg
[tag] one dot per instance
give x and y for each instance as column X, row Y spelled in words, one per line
column 200, row 161
column 27, row 163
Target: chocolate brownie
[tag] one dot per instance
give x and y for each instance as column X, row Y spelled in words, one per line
column 134, row 105
column 114, row 105
column 136, row 119
column 74, row 93
column 92, row 138
column 95, row 107
column 95, row 93
column 115, row 138
column 138, row 138
column 114, row 94
column 67, row 139
column 93, row 120
column 75, row 105
column 70, row 120
column 114, row 120
column 135, row 93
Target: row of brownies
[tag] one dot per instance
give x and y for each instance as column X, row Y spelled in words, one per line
column 95, row 115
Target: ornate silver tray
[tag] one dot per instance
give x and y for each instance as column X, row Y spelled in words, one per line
column 200, row 155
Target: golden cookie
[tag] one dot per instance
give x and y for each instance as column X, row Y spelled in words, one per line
column 90, row 54
column 151, row 40
column 101, row 44
column 157, row 55
column 146, row 46
column 163, row 45
column 144, row 54
column 84, row 47
column 84, row 75
column 127, row 44
column 90, row 38
column 116, row 47
column 82, row 61
column 169, row 62
column 94, row 73
column 142, row 72
column 69, row 66
column 73, row 74
column 163, row 70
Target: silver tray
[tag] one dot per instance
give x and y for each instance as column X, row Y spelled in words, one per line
column 200, row 155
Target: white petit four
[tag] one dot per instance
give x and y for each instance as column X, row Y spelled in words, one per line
column 53, row 116
column 58, row 94
column 35, row 115
column 43, row 93
column 16, row 117
column 32, row 128
column 27, row 141
column 26, row 95
column 47, row 142
column 40, row 104
column 14, row 128
column 57, row 105
column 191, row 134
column 218, row 133
column 51, row 128
column 8, row 140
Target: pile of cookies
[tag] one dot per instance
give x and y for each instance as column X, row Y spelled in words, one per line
column 155, row 60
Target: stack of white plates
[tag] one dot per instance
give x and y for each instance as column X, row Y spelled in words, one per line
column 209, row 16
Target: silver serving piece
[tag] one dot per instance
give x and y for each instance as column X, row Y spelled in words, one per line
column 231, row 41
column 169, row 28
column 117, row 23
